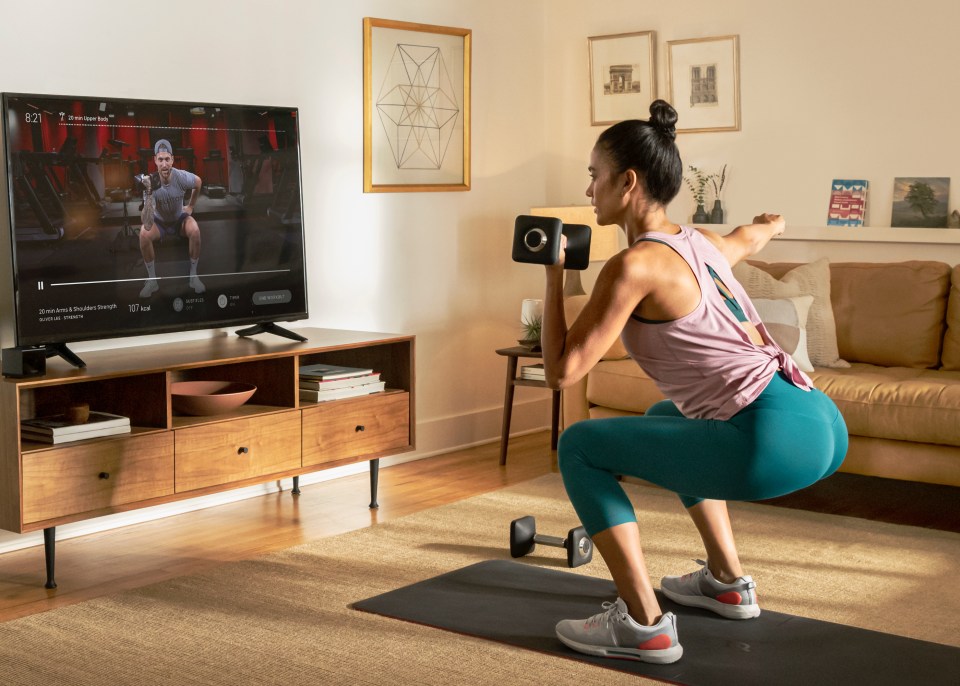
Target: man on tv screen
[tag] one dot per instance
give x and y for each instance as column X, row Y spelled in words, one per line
column 166, row 215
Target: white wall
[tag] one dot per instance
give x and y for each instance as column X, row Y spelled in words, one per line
column 829, row 89
column 435, row 265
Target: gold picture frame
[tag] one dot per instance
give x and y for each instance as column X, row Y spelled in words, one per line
column 703, row 76
column 623, row 76
column 416, row 107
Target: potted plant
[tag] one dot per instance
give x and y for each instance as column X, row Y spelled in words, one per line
column 717, row 180
column 531, row 332
column 698, row 187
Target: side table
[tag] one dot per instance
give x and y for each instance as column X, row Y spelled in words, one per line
column 512, row 355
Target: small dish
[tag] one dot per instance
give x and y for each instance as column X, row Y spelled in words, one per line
column 201, row 398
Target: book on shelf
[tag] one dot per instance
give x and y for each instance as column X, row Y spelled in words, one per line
column 314, row 385
column 533, row 371
column 59, row 425
column 41, row 437
column 848, row 202
column 340, row 393
column 327, row 372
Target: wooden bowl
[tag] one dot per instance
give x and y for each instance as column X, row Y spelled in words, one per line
column 201, row 398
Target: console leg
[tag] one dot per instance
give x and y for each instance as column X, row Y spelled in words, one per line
column 49, row 551
column 374, row 479
column 296, row 486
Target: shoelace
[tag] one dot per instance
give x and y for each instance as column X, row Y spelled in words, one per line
column 699, row 572
column 610, row 610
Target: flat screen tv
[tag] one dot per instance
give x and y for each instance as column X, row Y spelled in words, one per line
column 131, row 217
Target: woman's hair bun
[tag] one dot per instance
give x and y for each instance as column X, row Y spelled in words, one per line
column 663, row 117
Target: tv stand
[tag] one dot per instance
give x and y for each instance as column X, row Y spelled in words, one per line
column 168, row 456
column 61, row 349
column 270, row 327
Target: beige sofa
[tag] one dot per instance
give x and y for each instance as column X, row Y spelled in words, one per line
column 897, row 324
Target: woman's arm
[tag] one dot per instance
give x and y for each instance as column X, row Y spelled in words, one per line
column 749, row 239
column 569, row 353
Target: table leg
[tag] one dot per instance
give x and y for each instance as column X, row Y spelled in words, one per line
column 555, row 421
column 507, row 408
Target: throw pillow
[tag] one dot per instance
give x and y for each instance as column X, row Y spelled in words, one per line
column 786, row 321
column 807, row 279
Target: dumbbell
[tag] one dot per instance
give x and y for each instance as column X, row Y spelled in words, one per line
column 536, row 240
column 524, row 538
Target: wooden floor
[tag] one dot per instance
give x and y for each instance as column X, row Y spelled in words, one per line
column 141, row 554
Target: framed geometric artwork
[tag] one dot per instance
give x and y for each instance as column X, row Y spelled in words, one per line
column 416, row 107
column 704, row 79
column 623, row 76
column 920, row 201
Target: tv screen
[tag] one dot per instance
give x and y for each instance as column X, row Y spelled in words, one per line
column 130, row 217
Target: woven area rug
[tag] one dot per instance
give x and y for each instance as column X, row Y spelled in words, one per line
column 286, row 618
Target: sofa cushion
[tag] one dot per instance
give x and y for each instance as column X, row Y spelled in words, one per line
column 890, row 315
column 621, row 385
column 786, row 321
column 899, row 403
column 806, row 279
column 951, row 340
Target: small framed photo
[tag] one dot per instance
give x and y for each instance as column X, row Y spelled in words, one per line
column 623, row 76
column 920, row 202
column 704, row 79
column 416, row 107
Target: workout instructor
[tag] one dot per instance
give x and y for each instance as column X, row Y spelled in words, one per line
column 736, row 401
column 165, row 214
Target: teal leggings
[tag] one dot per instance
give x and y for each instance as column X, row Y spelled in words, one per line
column 783, row 441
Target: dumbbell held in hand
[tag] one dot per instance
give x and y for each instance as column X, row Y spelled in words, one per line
column 536, row 240
column 524, row 538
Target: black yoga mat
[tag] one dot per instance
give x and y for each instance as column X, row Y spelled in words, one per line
column 519, row 604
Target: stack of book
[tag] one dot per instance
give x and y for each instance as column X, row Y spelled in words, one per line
column 533, row 372
column 320, row 382
column 58, row 429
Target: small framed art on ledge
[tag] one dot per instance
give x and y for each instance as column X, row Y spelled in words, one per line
column 416, row 107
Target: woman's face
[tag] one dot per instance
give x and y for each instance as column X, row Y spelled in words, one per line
column 605, row 189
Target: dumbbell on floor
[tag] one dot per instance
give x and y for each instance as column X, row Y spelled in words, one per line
column 524, row 538
column 536, row 240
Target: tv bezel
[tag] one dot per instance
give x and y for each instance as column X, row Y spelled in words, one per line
column 10, row 329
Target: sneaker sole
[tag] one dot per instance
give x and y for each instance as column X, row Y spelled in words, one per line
column 722, row 609
column 660, row 657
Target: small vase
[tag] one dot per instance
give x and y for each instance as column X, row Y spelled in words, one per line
column 716, row 214
column 701, row 216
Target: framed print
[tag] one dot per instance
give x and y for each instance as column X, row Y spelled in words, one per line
column 623, row 76
column 416, row 107
column 704, row 79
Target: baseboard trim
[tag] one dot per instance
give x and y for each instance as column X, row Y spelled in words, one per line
column 434, row 437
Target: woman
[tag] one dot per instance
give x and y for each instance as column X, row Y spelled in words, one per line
column 737, row 401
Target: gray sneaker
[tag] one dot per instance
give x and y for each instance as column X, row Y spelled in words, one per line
column 614, row 633
column 701, row 589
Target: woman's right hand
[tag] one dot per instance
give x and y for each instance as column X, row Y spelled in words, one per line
column 561, row 256
column 778, row 223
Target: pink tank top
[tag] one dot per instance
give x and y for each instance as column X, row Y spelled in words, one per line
column 704, row 361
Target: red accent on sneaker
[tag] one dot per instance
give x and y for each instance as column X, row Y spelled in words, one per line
column 658, row 642
column 730, row 598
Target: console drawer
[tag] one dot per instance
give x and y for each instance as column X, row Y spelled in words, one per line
column 238, row 449
column 355, row 428
column 93, row 476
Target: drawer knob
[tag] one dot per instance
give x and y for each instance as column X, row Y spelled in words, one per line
column 104, row 475
column 360, row 427
column 242, row 451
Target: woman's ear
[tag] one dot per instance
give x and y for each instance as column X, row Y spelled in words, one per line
column 630, row 181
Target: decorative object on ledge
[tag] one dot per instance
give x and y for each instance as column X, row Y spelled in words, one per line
column 717, row 180
column 416, row 107
column 697, row 183
column 848, row 202
column 920, row 202
column 623, row 76
column 202, row 398
column 604, row 240
column 703, row 75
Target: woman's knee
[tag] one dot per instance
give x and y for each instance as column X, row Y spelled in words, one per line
column 571, row 446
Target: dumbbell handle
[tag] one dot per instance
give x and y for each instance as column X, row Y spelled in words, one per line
column 549, row 540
